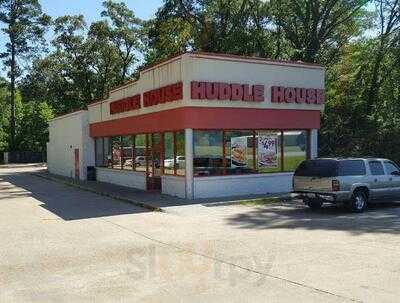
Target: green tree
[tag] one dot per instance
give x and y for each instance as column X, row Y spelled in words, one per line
column 315, row 26
column 389, row 28
column 87, row 60
column 4, row 114
column 229, row 26
column 24, row 26
column 33, row 127
column 125, row 32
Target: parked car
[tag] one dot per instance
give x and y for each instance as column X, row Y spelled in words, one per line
column 353, row 181
column 140, row 161
column 128, row 162
column 180, row 162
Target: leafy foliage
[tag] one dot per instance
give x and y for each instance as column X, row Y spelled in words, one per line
column 357, row 40
column 24, row 26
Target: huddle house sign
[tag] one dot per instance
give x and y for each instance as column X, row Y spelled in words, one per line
column 280, row 94
column 226, row 91
column 219, row 91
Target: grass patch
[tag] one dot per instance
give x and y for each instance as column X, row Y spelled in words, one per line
column 291, row 163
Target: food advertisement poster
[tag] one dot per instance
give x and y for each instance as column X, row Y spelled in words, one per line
column 238, row 151
column 267, row 150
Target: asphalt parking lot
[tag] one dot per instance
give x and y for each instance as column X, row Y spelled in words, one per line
column 61, row 244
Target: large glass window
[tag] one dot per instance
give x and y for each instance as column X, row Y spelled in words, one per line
column 154, row 154
column 169, row 162
column 295, row 149
column 239, row 152
column 108, row 152
column 140, row 152
column 216, row 152
column 208, row 153
column 174, row 153
column 116, row 153
column 100, row 157
column 248, row 151
column 127, row 154
column 180, row 160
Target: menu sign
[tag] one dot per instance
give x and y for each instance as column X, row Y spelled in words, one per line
column 267, row 150
column 238, row 151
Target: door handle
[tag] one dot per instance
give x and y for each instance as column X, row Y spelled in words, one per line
column 390, row 179
column 375, row 180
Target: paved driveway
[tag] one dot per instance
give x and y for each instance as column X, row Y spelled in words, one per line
column 60, row 244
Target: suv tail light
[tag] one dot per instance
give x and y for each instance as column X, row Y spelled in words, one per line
column 335, row 185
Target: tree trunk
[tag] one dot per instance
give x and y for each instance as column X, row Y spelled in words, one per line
column 373, row 85
column 12, row 101
column 13, row 71
column 124, row 72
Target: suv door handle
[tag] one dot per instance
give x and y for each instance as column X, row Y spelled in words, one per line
column 390, row 179
column 375, row 180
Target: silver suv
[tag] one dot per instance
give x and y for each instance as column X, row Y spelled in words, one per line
column 353, row 181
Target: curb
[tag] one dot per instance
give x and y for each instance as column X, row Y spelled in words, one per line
column 105, row 194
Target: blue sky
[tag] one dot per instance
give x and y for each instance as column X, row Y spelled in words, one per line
column 91, row 9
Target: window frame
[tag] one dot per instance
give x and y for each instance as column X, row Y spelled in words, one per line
column 341, row 162
column 376, row 161
column 149, row 139
column 392, row 163
column 174, row 151
column 254, row 141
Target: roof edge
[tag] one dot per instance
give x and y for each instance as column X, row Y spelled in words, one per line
column 72, row 113
column 208, row 54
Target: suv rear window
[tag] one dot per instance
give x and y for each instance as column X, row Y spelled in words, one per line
column 331, row 168
column 317, row 168
column 351, row 168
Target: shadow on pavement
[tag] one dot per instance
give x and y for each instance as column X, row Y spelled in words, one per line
column 66, row 202
column 153, row 199
column 378, row 218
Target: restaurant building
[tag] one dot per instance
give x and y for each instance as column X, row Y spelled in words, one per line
column 197, row 125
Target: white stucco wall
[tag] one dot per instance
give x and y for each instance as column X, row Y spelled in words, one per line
column 174, row 186
column 207, row 67
column 121, row 177
column 161, row 75
column 246, row 71
column 67, row 133
column 225, row 186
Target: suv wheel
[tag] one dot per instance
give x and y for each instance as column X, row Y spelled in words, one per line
column 359, row 201
column 314, row 204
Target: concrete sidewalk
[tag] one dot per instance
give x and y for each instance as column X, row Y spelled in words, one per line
column 153, row 201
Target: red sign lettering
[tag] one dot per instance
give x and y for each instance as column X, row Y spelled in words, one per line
column 164, row 94
column 280, row 94
column 125, row 105
column 226, row 91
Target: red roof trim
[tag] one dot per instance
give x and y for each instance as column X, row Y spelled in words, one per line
column 208, row 118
